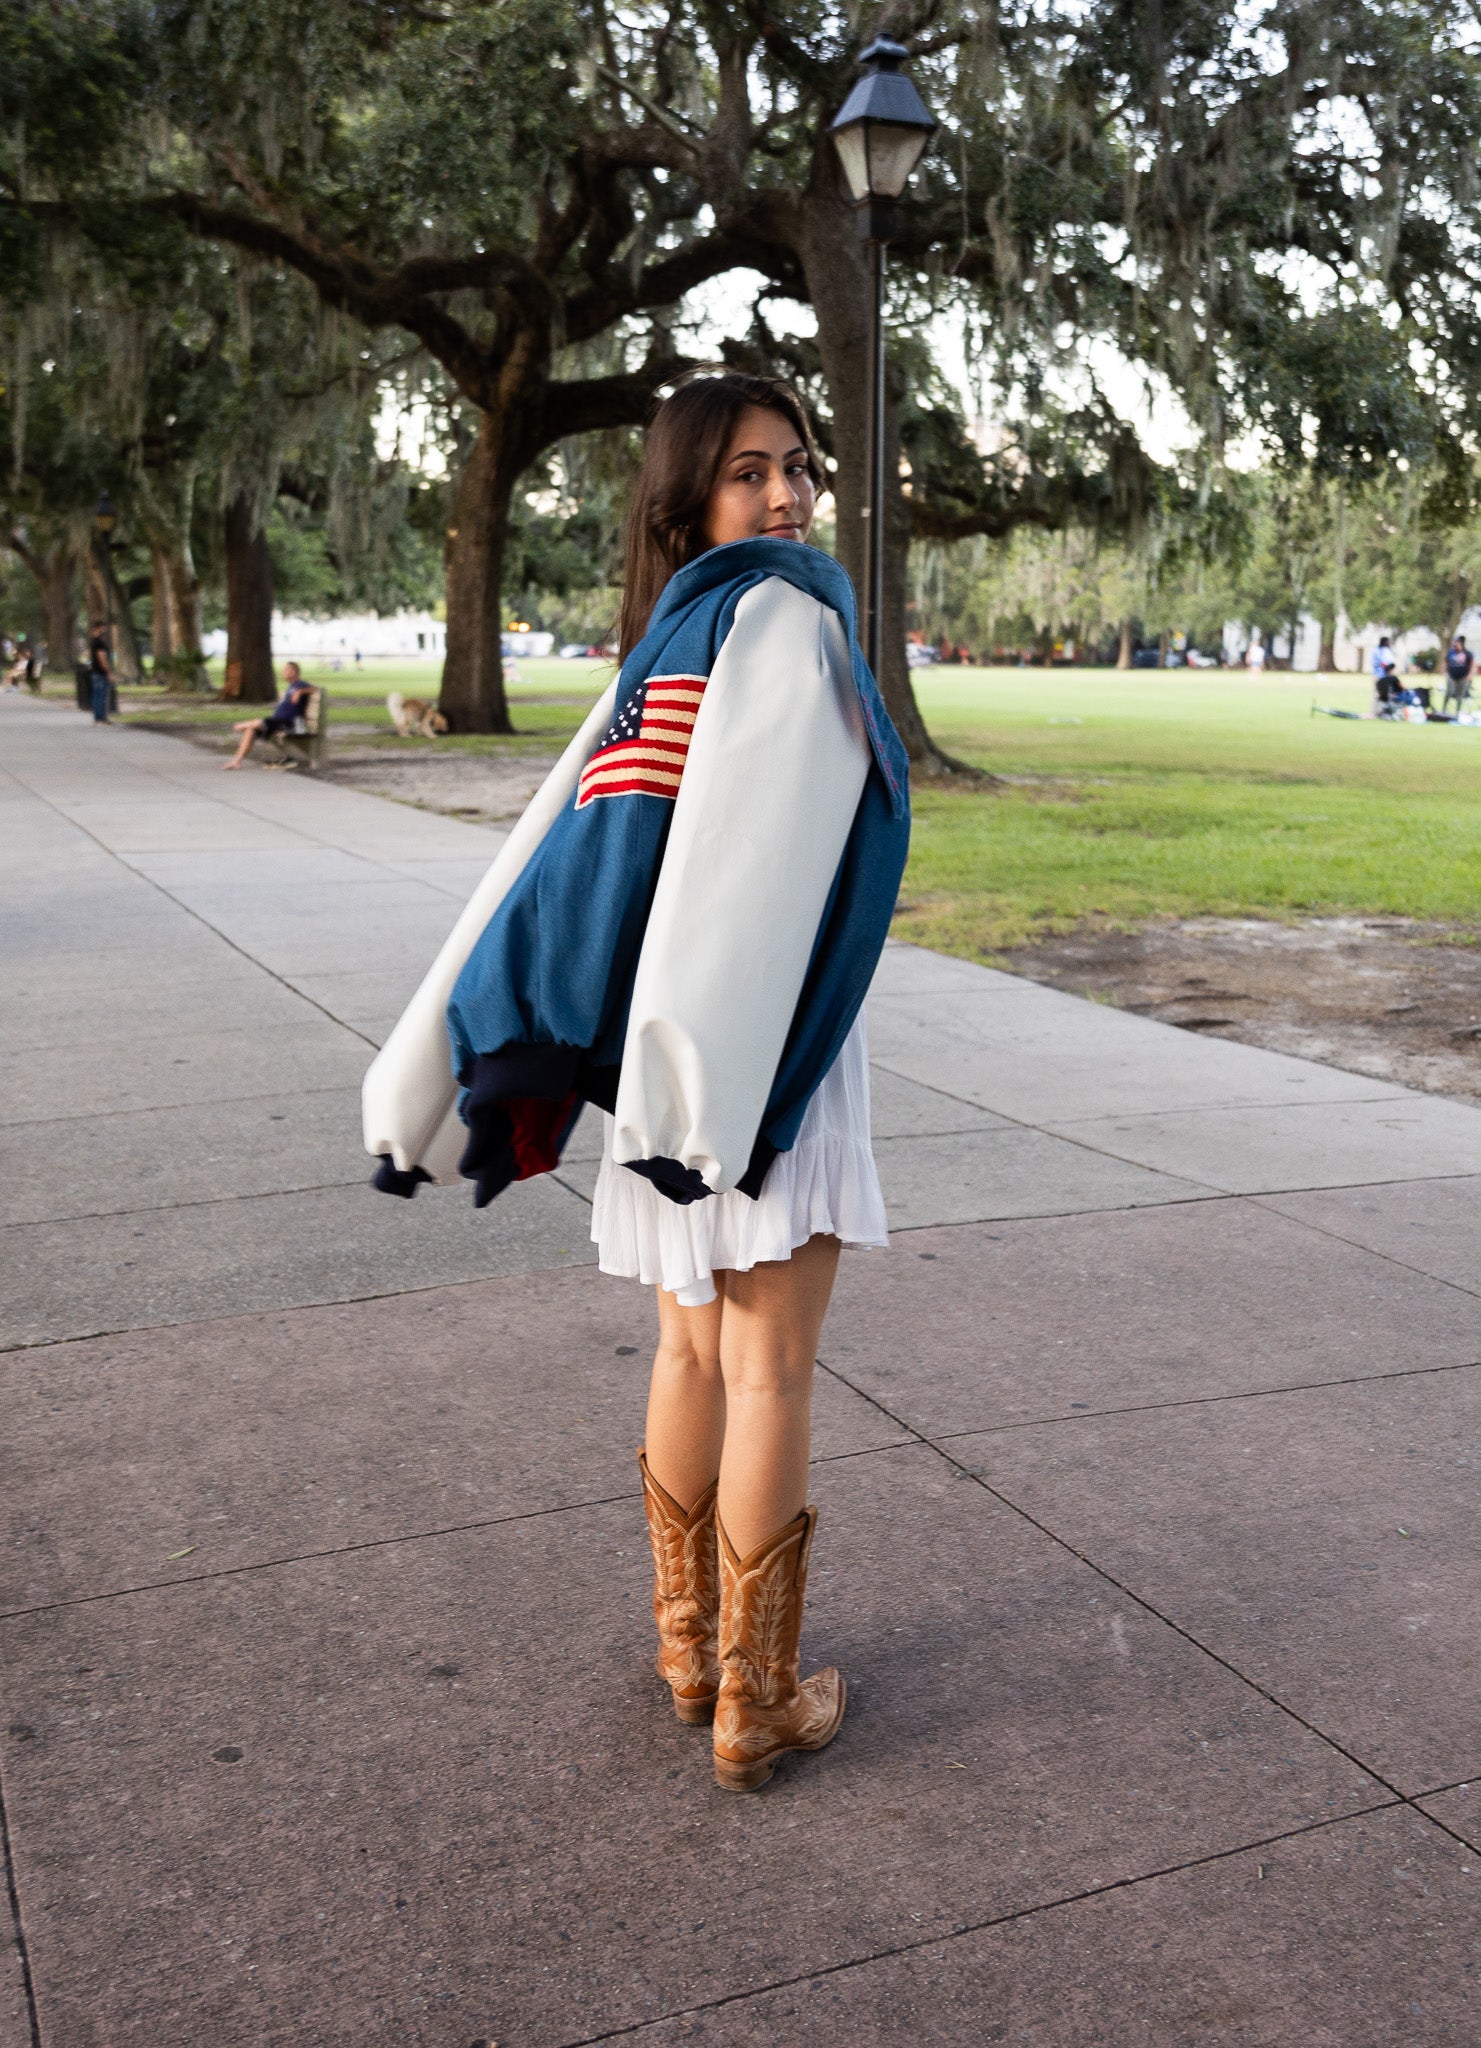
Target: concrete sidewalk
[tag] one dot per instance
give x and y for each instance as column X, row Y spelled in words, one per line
column 1148, row 1461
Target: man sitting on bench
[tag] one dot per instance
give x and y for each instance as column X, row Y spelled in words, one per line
column 284, row 715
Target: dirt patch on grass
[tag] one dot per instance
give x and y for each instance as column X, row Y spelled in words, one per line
column 489, row 788
column 1390, row 997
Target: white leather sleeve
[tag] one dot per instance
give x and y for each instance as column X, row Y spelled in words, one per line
column 409, row 1095
column 773, row 778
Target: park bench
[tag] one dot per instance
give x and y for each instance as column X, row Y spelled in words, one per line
column 303, row 745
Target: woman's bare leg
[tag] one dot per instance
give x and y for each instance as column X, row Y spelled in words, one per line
column 769, row 1330
column 686, row 1400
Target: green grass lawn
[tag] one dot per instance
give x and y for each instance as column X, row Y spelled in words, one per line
column 1177, row 794
column 376, row 679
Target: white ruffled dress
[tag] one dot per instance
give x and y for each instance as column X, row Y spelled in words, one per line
column 827, row 1184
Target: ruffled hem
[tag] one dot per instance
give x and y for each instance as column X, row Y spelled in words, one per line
column 826, row 1185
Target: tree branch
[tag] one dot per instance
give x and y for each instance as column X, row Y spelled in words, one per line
column 676, row 124
column 591, row 310
column 16, row 541
column 585, row 404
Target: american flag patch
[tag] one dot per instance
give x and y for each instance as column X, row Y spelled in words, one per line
column 646, row 743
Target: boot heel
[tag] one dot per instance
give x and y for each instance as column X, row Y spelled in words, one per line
column 745, row 1777
column 698, row 1713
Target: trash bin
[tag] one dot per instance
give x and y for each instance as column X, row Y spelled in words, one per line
column 84, row 679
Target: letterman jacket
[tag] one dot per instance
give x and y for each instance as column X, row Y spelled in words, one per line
column 683, row 925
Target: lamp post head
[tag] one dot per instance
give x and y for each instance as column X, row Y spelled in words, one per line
column 105, row 518
column 882, row 128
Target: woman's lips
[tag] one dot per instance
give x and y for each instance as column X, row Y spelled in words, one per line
column 791, row 531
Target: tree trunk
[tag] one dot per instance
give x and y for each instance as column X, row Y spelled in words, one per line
column 59, row 595
column 836, row 266
column 161, row 609
column 1461, row 603
column 1326, row 660
column 249, row 607
column 178, row 661
column 472, row 694
column 1123, row 647
column 108, row 607
column 167, row 508
column 188, row 660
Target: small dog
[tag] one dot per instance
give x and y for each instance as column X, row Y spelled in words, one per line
column 414, row 715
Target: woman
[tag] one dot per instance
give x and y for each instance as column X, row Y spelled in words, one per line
column 682, row 930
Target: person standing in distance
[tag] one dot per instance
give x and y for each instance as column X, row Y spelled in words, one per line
column 1460, row 664
column 100, row 674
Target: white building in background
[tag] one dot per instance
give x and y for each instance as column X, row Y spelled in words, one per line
column 1352, row 647
column 399, row 636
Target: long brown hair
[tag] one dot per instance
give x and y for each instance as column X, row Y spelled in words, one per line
column 687, row 438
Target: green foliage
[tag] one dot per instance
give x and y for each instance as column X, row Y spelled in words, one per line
column 463, row 126
column 1284, row 544
column 1272, row 211
column 69, row 74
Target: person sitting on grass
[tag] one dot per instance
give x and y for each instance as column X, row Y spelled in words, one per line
column 1387, row 689
column 284, row 715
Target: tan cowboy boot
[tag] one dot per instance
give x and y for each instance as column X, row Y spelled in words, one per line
column 686, row 1595
column 762, row 1711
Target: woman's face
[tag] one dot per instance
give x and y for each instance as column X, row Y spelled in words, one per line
column 763, row 485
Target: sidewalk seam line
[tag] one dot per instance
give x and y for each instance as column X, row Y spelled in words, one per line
column 318, row 1187
column 292, row 1308
column 1188, row 1109
column 1147, row 1607
column 269, row 1564
column 17, row 1922
column 205, row 922
column 1268, row 1200
column 1018, row 1123
column 1411, row 1372
column 906, row 1948
column 98, row 1116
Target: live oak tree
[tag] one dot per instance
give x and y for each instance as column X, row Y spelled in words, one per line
column 458, row 175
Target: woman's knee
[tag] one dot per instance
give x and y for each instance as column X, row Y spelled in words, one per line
column 767, row 1372
column 688, row 1341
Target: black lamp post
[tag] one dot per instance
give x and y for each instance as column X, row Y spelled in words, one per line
column 880, row 134
column 105, row 519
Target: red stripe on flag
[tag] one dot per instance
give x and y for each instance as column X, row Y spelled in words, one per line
column 651, row 762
